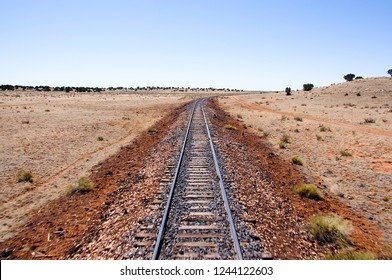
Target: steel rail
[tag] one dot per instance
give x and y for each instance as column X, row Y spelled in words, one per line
column 237, row 246
column 162, row 229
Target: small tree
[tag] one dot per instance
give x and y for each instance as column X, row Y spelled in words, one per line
column 349, row 77
column 288, row 91
column 358, row 77
column 308, row 87
column 390, row 72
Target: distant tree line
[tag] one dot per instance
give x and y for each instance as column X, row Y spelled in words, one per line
column 99, row 89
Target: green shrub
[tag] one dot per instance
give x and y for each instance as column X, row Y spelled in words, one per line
column 330, row 229
column 308, row 190
column 308, row 87
column 296, row 160
column 24, row 176
column 82, row 186
column 349, row 77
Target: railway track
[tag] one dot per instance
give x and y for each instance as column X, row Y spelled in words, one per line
column 197, row 223
column 194, row 220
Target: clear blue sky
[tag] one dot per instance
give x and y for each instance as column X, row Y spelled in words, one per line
column 255, row 45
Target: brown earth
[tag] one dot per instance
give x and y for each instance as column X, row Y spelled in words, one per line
column 264, row 185
column 58, row 228
column 278, row 216
column 59, row 137
column 321, row 126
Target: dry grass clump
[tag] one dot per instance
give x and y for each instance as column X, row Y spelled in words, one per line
column 99, row 138
column 82, row 186
column 346, row 153
column 330, row 229
column 282, row 145
column 370, row 120
column 324, row 128
column 308, row 190
column 351, row 255
column 229, row 127
column 285, row 138
column 298, row 119
column 24, row 176
column 284, row 118
column 296, row 160
column 152, row 130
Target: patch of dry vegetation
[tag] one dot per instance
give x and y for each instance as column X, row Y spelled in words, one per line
column 330, row 229
column 308, row 190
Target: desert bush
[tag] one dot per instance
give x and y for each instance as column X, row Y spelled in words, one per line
column 24, row 176
column 239, row 116
column 319, row 138
column 308, row 87
column 284, row 118
column 100, row 138
column 346, row 153
column 358, row 78
column 370, row 120
column 288, row 91
column 229, row 127
column 282, row 145
column 285, row 138
column 323, row 128
column 349, row 77
column 296, row 160
column 308, row 190
column 298, row 119
column 82, row 186
column 390, row 72
column 152, row 130
column 330, row 229
column 351, row 255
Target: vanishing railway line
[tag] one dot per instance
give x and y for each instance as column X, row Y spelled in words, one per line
column 197, row 221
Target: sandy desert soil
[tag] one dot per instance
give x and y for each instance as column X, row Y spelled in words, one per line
column 332, row 130
column 59, row 137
